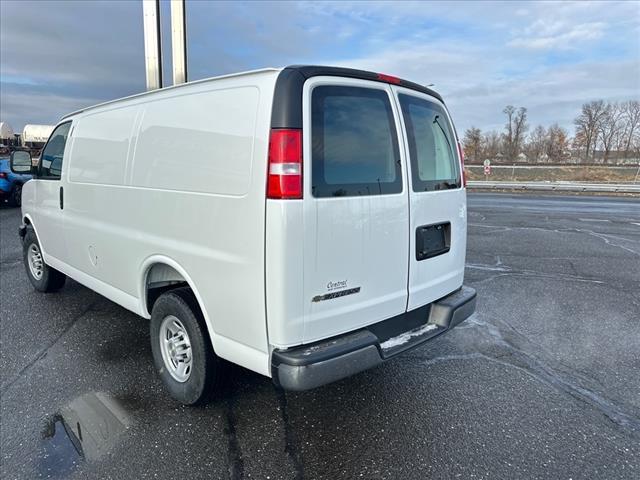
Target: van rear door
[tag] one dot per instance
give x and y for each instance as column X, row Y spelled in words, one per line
column 356, row 212
column 437, row 201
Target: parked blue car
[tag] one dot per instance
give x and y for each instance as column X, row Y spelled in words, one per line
column 11, row 184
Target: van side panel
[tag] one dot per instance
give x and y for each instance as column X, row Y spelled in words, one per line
column 198, row 142
column 284, row 243
column 93, row 222
column 193, row 192
column 100, row 145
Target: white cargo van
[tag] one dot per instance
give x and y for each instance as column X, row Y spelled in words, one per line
column 306, row 223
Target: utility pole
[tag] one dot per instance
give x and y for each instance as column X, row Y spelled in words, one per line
column 152, row 43
column 178, row 42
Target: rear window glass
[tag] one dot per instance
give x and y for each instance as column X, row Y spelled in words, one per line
column 434, row 163
column 354, row 143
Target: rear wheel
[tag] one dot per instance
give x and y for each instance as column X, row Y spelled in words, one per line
column 181, row 347
column 15, row 196
column 42, row 276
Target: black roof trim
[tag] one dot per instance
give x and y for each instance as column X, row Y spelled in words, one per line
column 287, row 100
column 315, row 71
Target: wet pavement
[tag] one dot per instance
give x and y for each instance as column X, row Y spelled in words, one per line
column 542, row 382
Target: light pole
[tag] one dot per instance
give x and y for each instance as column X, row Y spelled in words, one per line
column 178, row 42
column 153, row 42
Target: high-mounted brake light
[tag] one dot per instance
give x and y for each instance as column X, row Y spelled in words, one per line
column 388, row 78
column 285, row 164
column 464, row 175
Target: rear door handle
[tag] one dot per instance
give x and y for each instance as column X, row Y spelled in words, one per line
column 61, row 198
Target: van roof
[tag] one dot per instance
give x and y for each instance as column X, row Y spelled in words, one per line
column 171, row 87
column 301, row 71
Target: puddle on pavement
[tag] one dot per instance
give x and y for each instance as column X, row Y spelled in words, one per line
column 85, row 429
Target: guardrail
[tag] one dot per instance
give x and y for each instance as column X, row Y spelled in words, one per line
column 529, row 166
column 557, row 186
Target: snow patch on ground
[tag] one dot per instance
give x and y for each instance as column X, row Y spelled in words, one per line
column 405, row 337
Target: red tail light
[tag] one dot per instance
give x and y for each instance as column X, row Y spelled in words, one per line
column 388, row 78
column 464, row 176
column 285, row 164
column 3, row 174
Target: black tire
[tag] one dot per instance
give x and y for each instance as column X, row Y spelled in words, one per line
column 51, row 279
column 15, row 196
column 205, row 367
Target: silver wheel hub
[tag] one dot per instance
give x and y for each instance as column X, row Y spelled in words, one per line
column 176, row 348
column 36, row 264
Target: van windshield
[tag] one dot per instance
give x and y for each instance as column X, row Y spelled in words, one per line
column 434, row 163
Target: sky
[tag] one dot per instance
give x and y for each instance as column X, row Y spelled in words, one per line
column 550, row 57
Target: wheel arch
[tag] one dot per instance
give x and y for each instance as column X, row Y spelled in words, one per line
column 147, row 268
column 27, row 220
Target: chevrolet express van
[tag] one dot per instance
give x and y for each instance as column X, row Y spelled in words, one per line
column 306, row 223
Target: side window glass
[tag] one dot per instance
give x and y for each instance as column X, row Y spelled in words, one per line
column 51, row 158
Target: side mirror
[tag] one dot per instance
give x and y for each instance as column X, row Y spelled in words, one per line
column 20, row 162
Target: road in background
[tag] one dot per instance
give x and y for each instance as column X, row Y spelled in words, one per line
column 576, row 187
column 543, row 381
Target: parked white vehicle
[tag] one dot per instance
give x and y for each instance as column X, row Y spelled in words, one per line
column 306, row 223
column 35, row 135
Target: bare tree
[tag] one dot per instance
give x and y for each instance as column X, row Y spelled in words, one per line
column 579, row 145
column 472, row 144
column 609, row 128
column 521, row 127
column 492, row 145
column 536, row 147
column 509, row 111
column 588, row 125
column 557, row 142
column 631, row 117
column 515, row 130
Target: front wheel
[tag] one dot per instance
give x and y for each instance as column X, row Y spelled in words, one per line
column 182, row 351
column 42, row 276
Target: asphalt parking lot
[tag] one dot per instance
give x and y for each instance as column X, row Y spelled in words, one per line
column 542, row 382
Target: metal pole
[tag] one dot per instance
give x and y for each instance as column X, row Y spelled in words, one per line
column 152, row 43
column 178, row 42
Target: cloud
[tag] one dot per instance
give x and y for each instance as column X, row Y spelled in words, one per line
column 83, row 52
column 557, row 35
column 476, row 90
column 50, row 107
column 549, row 57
